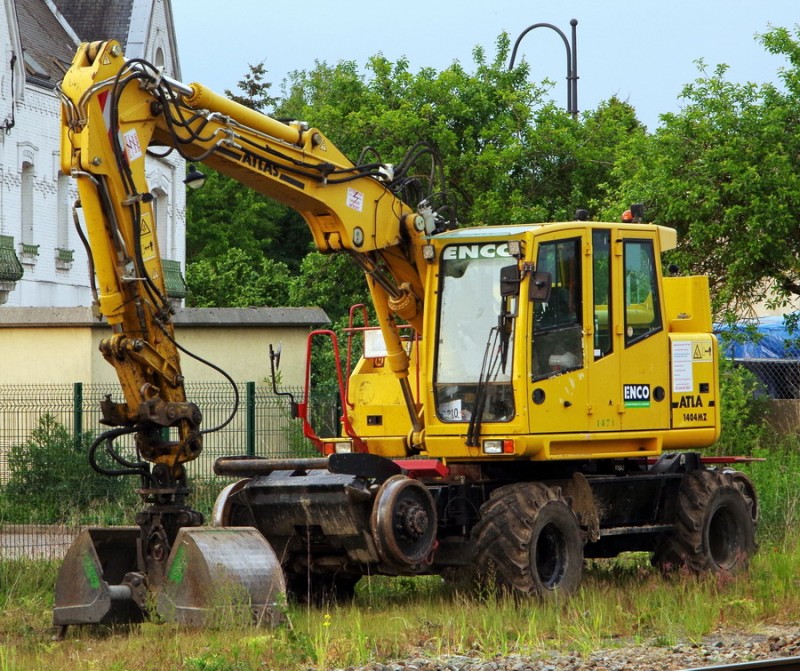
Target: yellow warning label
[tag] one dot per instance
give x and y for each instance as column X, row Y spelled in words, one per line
column 146, row 239
column 701, row 351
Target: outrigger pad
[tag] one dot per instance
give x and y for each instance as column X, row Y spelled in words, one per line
column 216, row 573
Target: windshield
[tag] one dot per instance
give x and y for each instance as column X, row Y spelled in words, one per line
column 469, row 308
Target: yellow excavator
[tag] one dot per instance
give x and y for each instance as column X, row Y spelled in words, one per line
column 532, row 395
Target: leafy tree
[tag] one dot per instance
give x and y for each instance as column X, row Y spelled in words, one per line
column 724, row 172
column 225, row 214
column 50, row 480
column 237, row 280
column 478, row 123
column 255, row 89
column 508, row 157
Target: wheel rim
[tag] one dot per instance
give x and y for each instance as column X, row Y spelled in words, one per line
column 550, row 559
column 724, row 538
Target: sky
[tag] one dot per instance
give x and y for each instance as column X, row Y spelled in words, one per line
column 641, row 51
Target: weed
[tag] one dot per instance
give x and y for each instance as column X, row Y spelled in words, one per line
column 50, row 481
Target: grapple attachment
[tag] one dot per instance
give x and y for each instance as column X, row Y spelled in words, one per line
column 98, row 581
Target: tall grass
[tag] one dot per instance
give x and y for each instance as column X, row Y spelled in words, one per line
column 776, row 480
column 621, row 601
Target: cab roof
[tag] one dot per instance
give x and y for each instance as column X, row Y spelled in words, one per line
column 668, row 237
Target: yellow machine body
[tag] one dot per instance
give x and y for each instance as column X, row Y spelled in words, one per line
column 641, row 376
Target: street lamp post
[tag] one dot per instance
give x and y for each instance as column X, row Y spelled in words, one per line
column 572, row 60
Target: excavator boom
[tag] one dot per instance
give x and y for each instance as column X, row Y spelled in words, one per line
column 114, row 113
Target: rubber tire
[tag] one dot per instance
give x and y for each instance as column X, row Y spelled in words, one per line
column 715, row 525
column 528, row 542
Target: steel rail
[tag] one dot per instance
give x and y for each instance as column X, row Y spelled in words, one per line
column 761, row 665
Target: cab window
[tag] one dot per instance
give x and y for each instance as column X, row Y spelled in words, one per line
column 642, row 302
column 558, row 322
column 601, row 289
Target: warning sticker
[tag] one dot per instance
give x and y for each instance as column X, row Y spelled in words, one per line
column 133, row 149
column 682, row 373
column 702, row 351
column 355, row 200
column 146, row 239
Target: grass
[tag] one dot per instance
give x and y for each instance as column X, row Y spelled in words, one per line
column 621, row 600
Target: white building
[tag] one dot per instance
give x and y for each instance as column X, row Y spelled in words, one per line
column 42, row 260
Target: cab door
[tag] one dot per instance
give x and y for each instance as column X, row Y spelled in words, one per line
column 558, row 391
column 604, row 359
column 644, row 341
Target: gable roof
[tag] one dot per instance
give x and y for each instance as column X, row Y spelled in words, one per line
column 47, row 46
column 98, row 19
column 51, row 30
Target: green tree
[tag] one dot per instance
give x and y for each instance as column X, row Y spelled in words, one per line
column 50, row 479
column 226, row 214
column 507, row 156
column 235, row 279
column 724, row 171
column 479, row 123
column 255, row 89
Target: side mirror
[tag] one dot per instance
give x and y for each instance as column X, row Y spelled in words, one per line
column 509, row 281
column 540, row 286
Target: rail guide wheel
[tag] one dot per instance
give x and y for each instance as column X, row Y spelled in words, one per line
column 403, row 522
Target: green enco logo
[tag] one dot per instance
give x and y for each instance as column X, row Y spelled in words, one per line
column 636, row 395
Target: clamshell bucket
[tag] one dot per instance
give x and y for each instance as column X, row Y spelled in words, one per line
column 218, row 572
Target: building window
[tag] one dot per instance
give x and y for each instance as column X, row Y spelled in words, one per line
column 163, row 228
column 27, row 203
column 62, row 195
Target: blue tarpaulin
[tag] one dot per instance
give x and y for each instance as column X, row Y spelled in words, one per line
column 769, row 347
column 762, row 338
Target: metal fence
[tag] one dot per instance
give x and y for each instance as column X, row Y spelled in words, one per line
column 48, row 490
column 777, row 378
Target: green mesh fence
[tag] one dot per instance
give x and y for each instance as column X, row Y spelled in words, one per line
column 48, row 491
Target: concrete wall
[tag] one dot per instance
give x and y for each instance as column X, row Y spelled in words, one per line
column 60, row 345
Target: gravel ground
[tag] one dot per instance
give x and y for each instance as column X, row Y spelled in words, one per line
column 723, row 647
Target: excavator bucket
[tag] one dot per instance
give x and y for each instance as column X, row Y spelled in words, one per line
column 91, row 586
column 211, row 573
column 219, row 572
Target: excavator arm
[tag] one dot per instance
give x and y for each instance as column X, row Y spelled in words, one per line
column 115, row 111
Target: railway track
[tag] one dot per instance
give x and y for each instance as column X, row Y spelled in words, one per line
column 783, row 663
